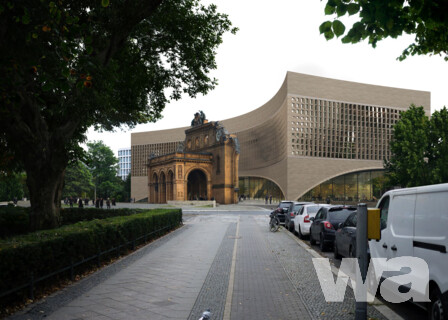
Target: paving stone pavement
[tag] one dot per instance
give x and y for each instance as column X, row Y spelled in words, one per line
column 189, row 270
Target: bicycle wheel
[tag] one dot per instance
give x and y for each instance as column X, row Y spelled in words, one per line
column 274, row 224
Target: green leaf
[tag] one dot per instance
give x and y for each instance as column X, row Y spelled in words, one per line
column 325, row 27
column 329, row 9
column 26, row 19
column 88, row 40
column 65, row 72
column 341, row 10
column 105, row 3
column 329, row 35
column 338, row 28
column 47, row 86
column 353, row 8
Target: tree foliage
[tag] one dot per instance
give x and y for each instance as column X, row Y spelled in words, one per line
column 78, row 180
column 11, row 186
column 419, row 149
column 69, row 65
column 380, row 19
column 103, row 166
column 438, row 146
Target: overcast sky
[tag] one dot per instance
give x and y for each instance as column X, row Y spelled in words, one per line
column 276, row 37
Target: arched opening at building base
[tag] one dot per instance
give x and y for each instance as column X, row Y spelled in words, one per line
column 197, row 185
column 256, row 188
column 352, row 188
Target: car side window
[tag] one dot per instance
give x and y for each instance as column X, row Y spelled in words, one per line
column 324, row 215
column 301, row 211
column 318, row 215
column 350, row 221
column 384, row 209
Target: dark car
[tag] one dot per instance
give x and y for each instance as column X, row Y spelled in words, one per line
column 345, row 238
column 292, row 211
column 325, row 224
column 283, row 206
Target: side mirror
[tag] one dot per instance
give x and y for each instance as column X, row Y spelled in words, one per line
column 340, row 225
column 312, row 219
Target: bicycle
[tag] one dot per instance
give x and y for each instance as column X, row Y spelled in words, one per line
column 274, row 223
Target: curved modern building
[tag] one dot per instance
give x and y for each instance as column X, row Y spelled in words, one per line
column 316, row 138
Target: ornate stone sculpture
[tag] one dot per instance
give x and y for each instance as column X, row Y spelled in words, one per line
column 199, row 118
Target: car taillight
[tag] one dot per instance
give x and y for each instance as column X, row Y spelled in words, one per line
column 328, row 225
column 306, row 218
column 292, row 214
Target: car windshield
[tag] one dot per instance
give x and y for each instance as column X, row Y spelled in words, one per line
column 312, row 209
column 339, row 215
column 284, row 205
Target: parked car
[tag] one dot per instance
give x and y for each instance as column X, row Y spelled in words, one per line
column 414, row 222
column 345, row 238
column 302, row 220
column 281, row 209
column 325, row 224
column 291, row 213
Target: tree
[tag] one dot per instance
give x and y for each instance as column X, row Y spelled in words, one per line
column 69, row 65
column 408, row 165
column 380, row 19
column 103, row 166
column 78, row 180
column 127, row 188
column 438, row 146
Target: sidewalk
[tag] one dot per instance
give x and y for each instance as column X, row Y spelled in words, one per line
column 228, row 263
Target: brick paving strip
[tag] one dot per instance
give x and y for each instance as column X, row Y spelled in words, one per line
column 298, row 265
column 262, row 289
column 214, row 291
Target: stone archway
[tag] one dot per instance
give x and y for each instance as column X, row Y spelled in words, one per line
column 162, row 188
column 197, row 185
column 169, row 186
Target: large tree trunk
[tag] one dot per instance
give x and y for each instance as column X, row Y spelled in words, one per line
column 45, row 180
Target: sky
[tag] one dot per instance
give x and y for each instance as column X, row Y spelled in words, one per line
column 281, row 36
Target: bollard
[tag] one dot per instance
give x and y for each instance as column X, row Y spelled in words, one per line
column 361, row 255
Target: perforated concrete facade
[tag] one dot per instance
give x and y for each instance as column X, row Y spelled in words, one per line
column 312, row 130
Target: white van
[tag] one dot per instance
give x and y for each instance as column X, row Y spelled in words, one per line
column 414, row 222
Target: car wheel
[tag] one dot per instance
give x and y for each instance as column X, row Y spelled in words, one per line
column 291, row 227
column 438, row 309
column 322, row 245
column 336, row 253
column 352, row 253
column 301, row 236
column 312, row 241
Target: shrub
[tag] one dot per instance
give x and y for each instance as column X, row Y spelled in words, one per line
column 73, row 215
column 13, row 220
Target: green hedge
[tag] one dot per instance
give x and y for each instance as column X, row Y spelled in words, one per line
column 13, row 220
column 73, row 215
column 43, row 252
